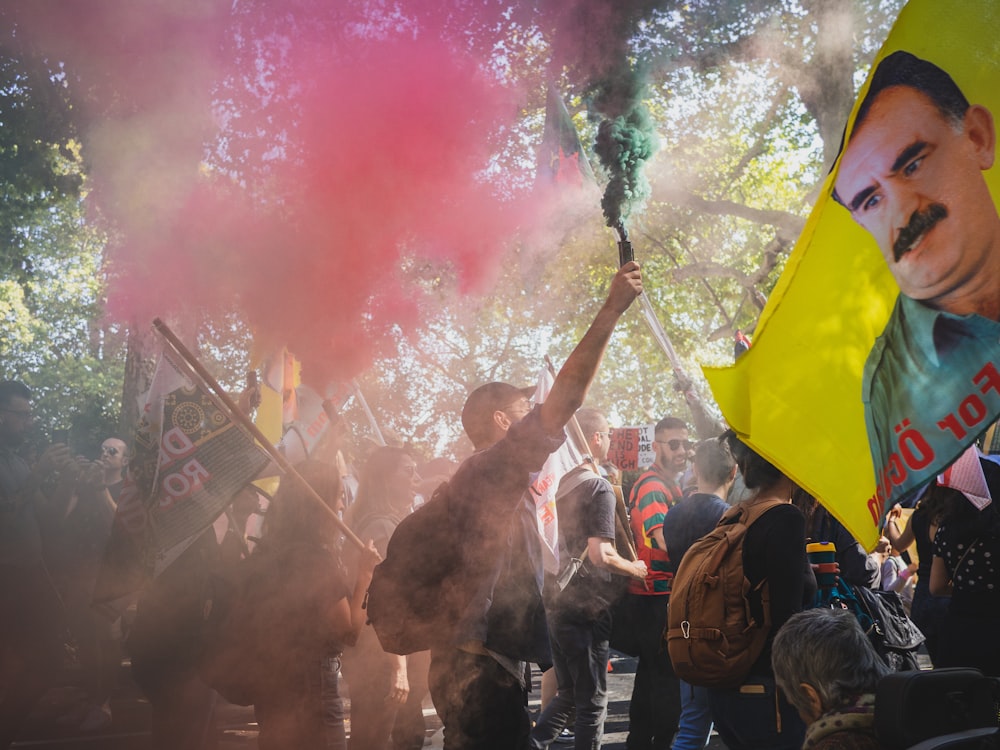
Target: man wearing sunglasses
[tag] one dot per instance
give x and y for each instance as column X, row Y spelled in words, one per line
column 114, row 461
column 656, row 702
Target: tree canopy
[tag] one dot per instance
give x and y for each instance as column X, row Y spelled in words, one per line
column 744, row 101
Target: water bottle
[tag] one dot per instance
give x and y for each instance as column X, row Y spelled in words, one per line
column 823, row 556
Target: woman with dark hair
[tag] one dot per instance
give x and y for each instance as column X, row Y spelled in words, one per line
column 378, row 681
column 311, row 611
column 755, row 714
column 928, row 611
column 965, row 566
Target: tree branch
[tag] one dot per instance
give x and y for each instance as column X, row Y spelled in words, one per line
column 715, row 297
column 787, row 224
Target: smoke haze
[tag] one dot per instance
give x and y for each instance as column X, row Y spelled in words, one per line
column 373, row 142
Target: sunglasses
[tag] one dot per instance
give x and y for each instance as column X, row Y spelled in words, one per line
column 110, row 450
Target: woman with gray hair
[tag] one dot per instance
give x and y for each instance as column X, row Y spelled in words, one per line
column 828, row 670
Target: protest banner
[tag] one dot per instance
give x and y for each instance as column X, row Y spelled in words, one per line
column 545, row 483
column 193, row 451
column 189, row 458
column 875, row 362
column 632, row 447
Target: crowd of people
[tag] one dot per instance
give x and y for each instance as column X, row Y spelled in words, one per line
column 305, row 625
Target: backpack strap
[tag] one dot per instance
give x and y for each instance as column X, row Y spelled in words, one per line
column 748, row 512
column 575, row 477
column 624, row 541
column 569, row 482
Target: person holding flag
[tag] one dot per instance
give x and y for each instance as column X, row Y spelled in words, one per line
column 379, row 682
column 303, row 607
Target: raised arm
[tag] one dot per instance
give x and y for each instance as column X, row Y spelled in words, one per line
column 573, row 381
column 899, row 539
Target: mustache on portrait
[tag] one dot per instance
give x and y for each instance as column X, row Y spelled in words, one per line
column 920, row 222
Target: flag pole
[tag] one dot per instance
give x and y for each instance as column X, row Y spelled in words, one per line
column 368, row 412
column 249, row 426
column 706, row 425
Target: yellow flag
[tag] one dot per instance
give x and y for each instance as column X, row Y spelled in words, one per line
column 277, row 397
column 877, row 358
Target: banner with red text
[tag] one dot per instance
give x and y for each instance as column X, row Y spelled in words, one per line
column 632, row 447
column 189, row 459
column 876, row 361
column 544, row 484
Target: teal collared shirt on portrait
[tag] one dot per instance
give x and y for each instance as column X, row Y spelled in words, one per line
column 931, row 385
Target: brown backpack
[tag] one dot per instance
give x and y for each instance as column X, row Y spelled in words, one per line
column 711, row 636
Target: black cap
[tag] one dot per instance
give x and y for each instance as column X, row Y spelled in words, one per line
column 477, row 414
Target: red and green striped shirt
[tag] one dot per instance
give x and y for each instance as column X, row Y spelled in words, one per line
column 652, row 496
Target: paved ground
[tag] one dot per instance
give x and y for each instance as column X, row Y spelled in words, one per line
column 619, row 692
column 236, row 727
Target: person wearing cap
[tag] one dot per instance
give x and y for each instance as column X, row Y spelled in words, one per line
column 478, row 674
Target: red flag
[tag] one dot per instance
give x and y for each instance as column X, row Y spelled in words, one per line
column 561, row 158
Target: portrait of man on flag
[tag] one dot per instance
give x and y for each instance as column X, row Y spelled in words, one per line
column 896, row 272
column 912, row 175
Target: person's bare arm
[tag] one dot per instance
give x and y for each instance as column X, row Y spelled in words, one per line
column 348, row 627
column 400, row 687
column 899, row 539
column 940, row 583
column 573, row 381
column 603, row 554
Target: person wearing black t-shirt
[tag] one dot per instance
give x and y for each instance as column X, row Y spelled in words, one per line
column 579, row 615
column 755, row 714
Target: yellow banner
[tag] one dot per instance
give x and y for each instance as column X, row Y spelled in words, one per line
column 279, row 379
column 877, row 358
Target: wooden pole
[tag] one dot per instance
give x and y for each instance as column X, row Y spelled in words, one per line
column 236, row 414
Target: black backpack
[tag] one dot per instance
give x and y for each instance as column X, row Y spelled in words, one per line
column 883, row 617
column 418, row 591
column 912, row 707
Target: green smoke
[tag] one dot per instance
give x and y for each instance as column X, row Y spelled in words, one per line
column 625, row 140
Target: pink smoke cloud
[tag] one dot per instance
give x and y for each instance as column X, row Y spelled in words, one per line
column 378, row 139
